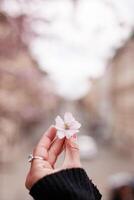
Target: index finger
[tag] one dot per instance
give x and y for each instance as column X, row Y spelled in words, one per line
column 47, row 138
column 45, row 142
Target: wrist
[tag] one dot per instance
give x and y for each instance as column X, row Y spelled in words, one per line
column 65, row 184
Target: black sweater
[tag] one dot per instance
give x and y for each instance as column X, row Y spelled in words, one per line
column 68, row 184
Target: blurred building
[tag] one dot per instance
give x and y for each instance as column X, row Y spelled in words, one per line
column 121, row 90
column 26, row 93
column 111, row 99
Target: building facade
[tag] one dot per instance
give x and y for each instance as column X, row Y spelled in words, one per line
column 112, row 98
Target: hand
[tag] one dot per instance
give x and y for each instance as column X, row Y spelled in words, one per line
column 50, row 147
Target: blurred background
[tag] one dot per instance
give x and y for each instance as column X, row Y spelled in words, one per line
column 68, row 55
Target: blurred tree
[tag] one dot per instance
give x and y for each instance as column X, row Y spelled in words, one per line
column 26, row 93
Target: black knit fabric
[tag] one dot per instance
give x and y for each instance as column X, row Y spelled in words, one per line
column 68, row 184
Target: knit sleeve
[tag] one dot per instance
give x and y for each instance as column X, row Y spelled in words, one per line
column 68, row 184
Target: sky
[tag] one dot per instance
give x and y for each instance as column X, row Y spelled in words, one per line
column 78, row 40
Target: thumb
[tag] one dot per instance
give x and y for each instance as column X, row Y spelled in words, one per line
column 72, row 156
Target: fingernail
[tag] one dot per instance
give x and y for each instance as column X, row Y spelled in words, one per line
column 74, row 139
column 75, row 136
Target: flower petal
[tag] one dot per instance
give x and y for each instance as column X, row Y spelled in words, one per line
column 68, row 118
column 59, row 122
column 75, row 125
column 69, row 133
column 60, row 134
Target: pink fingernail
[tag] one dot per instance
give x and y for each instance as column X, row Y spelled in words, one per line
column 74, row 138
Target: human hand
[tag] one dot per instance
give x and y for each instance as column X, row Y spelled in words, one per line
column 49, row 148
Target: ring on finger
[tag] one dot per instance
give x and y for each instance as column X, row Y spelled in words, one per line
column 31, row 158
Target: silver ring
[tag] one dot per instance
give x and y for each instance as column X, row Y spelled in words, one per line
column 31, row 158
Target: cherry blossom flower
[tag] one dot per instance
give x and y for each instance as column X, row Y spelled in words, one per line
column 66, row 127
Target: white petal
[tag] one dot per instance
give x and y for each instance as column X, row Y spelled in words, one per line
column 60, row 134
column 59, row 122
column 69, row 133
column 75, row 125
column 68, row 118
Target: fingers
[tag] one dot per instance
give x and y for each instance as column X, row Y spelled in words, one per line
column 44, row 143
column 72, row 156
column 55, row 149
column 48, row 137
column 41, row 167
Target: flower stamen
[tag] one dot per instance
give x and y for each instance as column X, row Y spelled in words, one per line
column 66, row 126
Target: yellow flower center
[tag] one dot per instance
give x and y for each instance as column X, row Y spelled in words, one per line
column 66, row 126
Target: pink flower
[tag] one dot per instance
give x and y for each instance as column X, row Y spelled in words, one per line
column 67, row 127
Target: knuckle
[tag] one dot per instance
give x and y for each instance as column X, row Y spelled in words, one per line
column 73, row 146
